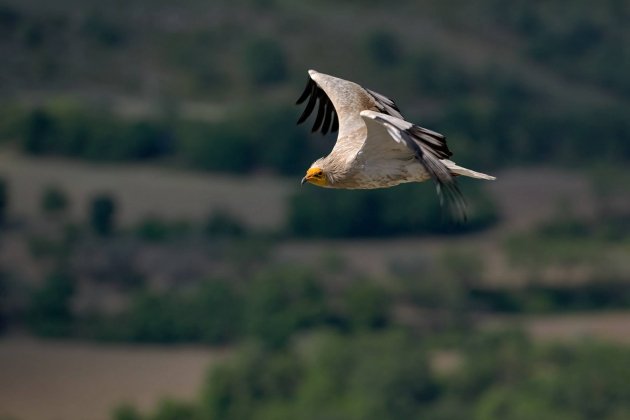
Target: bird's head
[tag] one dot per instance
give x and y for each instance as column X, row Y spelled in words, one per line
column 316, row 175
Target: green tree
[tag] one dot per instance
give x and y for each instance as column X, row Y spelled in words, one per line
column 4, row 201
column 383, row 48
column 50, row 313
column 366, row 305
column 377, row 376
column 126, row 412
column 281, row 302
column 265, row 62
column 40, row 132
column 54, row 201
column 223, row 223
column 102, row 214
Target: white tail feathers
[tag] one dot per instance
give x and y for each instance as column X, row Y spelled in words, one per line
column 466, row 172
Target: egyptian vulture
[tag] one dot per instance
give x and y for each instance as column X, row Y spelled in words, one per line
column 376, row 147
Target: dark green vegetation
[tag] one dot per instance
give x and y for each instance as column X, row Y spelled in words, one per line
column 318, row 341
column 4, row 198
column 546, row 86
column 406, row 209
column 388, row 376
column 210, row 85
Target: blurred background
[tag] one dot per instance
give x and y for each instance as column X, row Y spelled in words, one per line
column 159, row 260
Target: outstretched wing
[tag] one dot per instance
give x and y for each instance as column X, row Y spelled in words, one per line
column 426, row 146
column 385, row 105
column 326, row 119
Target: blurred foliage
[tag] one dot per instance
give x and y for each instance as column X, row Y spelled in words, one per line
column 223, row 223
column 510, row 83
column 368, row 377
column 210, row 314
column 70, row 131
column 265, row 62
column 154, row 229
column 388, row 376
column 605, row 293
column 282, row 302
column 562, row 85
column 103, row 214
column 383, row 48
column 367, row 306
column 404, row 210
column 50, row 312
column 4, row 301
column 103, row 32
column 54, row 201
column 264, row 139
column 4, row 201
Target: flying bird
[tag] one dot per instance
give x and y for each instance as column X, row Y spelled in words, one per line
column 376, row 147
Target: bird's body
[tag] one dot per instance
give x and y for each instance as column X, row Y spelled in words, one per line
column 376, row 147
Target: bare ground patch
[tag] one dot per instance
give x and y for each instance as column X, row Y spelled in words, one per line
column 143, row 190
column 55, row 379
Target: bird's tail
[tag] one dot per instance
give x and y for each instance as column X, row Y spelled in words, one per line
column 466, row 172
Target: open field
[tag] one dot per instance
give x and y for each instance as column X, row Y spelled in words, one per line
column 605, row 326
column 145, row 190
column 525, row 195
column 525, row 198
column 73, row 380
column 54, row 379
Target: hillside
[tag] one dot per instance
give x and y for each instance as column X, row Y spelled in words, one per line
column 525, row 83
column 152, row 221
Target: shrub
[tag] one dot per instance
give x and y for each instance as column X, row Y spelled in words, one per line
column 103, row 32
column 211, row 313
column 403, row 210
column 4, row 201
column 223, row 223
column 40, row 132
column 96, row 135
column 102, row 214
column 366, row 306
column 265, row 62
column 54, row 201
column 377, row 376
column 383, row 48
column 281, row 302
column 155, row 229
column 49, row 311
column 220, row 147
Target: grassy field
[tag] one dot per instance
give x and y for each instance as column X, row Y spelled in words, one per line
column 258, row 200
column 144, row 191
column 74, row 380
column 526, row 197
column 52, row 379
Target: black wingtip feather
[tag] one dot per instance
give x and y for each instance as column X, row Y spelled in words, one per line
column 328, row 112
column 310, row 105
column 452, row 199
column 327, row 119
column 335, row 123
column 320, row 111
column 448, row 191
column 434, row 141
column 307, row 91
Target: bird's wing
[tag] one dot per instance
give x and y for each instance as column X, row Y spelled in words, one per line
column 327, row 118
column 389, row 137
column 385, row 105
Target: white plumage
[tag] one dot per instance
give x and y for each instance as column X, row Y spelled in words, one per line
column 376, row 147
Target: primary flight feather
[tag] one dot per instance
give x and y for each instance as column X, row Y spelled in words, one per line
column 376, row 147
